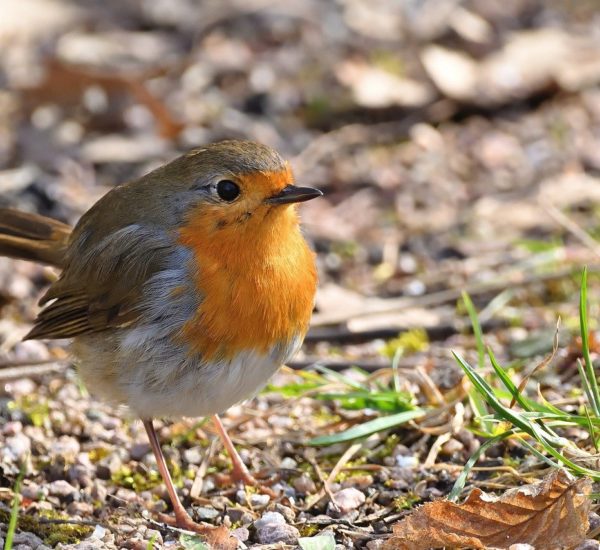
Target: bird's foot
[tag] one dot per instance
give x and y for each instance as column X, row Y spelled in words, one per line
column 218, row 538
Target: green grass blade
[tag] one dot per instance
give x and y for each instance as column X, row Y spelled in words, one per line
column 14, row 509
column 503, row 412
column 368, row 428
column 477, row 403
column 585, row 344
column 477, row 332
column 506, row 380
column 340, row 377
column 459, row 484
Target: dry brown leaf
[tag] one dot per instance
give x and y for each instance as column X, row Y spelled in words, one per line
column 550, row 514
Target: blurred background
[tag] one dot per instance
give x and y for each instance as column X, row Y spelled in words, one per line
column 457, row 143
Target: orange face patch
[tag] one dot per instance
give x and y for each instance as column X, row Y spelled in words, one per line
column 255, row 272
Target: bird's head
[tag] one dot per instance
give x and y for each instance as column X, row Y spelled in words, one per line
column 243, row 190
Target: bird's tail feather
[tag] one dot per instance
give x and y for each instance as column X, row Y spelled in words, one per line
column 32, row 237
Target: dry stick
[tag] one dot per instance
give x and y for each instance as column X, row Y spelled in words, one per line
column 196, row 489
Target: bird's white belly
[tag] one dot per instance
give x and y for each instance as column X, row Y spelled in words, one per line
column 148, row 368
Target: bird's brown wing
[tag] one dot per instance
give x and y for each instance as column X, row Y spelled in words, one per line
column 102, row 283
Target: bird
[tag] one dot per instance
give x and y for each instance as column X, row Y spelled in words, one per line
column 183, row 291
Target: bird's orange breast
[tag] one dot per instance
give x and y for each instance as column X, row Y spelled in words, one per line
column 256, row 282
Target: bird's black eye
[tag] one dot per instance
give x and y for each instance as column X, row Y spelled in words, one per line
column 228, row 190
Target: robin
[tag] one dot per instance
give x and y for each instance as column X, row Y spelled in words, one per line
column 183, row 291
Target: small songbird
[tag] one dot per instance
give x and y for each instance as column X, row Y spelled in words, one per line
column 183, row 291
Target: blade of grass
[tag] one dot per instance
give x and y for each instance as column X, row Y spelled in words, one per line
column 340, row 377
column 477, row 403
column 368, row 428
column 459, row 484
column 14, row 510
column 545, row 438
column 585, row 345
column 591, row 430
column 506, row 380
column 506, row 414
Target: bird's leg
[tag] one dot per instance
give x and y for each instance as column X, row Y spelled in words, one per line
column 239, row 471
column 182, row 518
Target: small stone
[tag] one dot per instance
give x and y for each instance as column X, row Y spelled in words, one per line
column 286, row 512
column 80, row 474
column 206, row 513
column 99, row 491
column 17, row 446
column 452, row 446
column 375, row 544
column 360, row 482
column 305, row 485
column 239, row 515
column 521, row 546
column 65, row 446
column 29, row 540
column 288, row 463
column 275, row 532
column 594, row 520
column 257, row 500
column 588, row 544
column 269, row 518
column 139, row 451
column 80, row 509
column 407, row 461
column 348, row 499
column 33, row 491
column 61, row 488
column 241, row 533
column 193, row 455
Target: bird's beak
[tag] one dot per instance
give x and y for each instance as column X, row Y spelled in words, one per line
column 291, row 193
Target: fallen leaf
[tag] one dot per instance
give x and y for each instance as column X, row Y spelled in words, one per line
column 550, row 514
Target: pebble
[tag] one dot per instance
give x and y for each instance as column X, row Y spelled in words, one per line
column 588, row 544
column 348, row 499
column 521, row 546
column 594, row 520
column 193, row 455
column 206, row 513
column 254, row 500
column 269, row 518
column 28, row 540
column 241, row 533
column 360, row 482
column 375, row 544
column 139, row 451
column 410, row 461
column 81, row 474
column 304, row 485
column 239, row 515
column 288, row 463
column 452, row 446
column 16, row 447
column 65, row 446
column 61, row 488
column 33, row 491
column 82, row 509
column 272, row 528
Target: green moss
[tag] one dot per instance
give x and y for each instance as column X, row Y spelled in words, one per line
column 35, row 408
column 406, row 502
column 51, row 533
column 308, row 530
column 411, row 341
column 138, row 481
